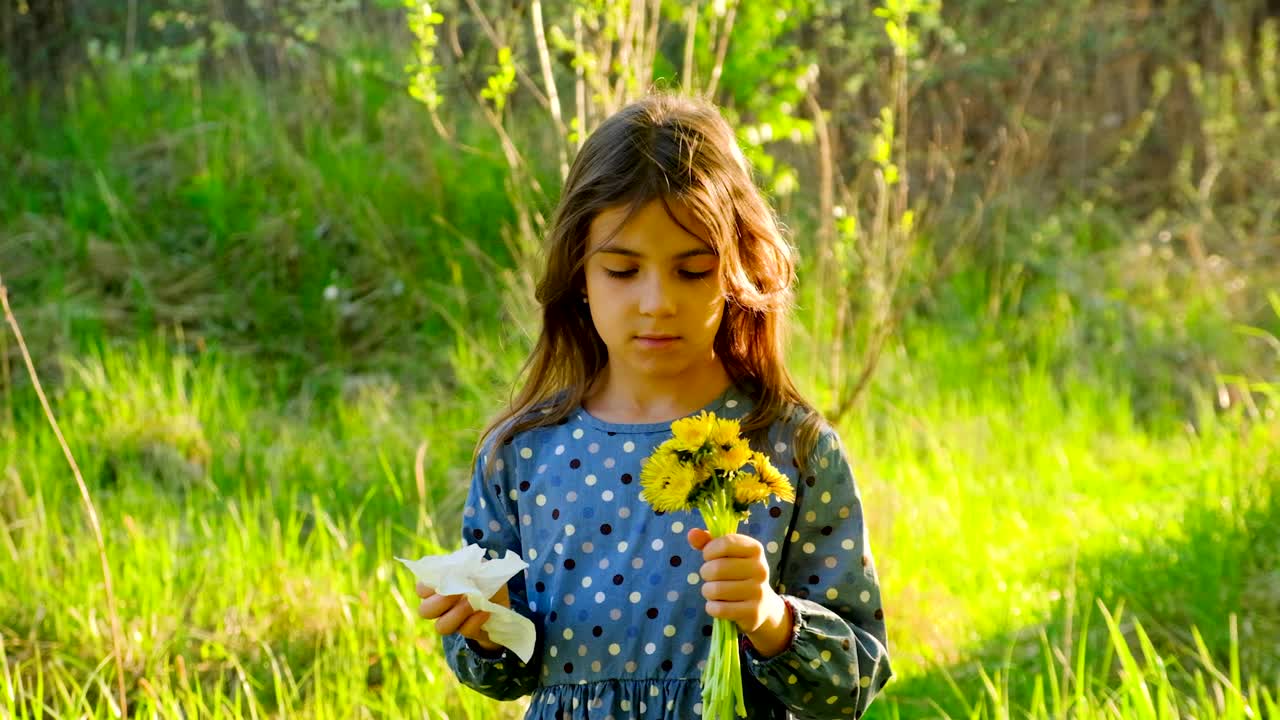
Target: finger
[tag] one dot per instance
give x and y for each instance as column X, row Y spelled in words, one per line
column 424, row 591
column 450, row 622
column 698, row 538
column 726, row 610
column 732, row 545
column 436, row 605
column 731, row 591
column 739, row 569
column 473, row 627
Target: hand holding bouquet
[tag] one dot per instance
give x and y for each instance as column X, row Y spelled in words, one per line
column 704, row 465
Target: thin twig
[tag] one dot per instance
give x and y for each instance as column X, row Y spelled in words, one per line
column 420, row 477
column 626, row 42
column 826, row 203
column 580, row 81
column 553, row 94
column 498, row 42
column 722, row 49
column 8, row 384
column 691, row 30
column 650, row 50
column 117, row 636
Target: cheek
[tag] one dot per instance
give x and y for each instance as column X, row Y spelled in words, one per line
column 598, row 290
column 590, row 280
column 604, row 316
column 715, row 307
column 594, row 311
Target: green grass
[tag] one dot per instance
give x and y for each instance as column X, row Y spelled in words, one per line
column 251, row 549
column 251, row 541
column 252, row 446
column 145, row 201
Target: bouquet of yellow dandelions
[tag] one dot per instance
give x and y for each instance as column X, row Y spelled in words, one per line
column 703, row 466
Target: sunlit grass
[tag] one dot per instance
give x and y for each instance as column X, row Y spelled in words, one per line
column 252, row 542
column 257, row 472
column 257, row 572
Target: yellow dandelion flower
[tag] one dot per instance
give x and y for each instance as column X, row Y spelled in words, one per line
column 738, row 454
column 771, row 476
column 693, row 432
column 683, row 482
column 725, row 432
column 658, row 466
column 714, row 457
column 667, row 482
column 670, row 446
column 749, row 489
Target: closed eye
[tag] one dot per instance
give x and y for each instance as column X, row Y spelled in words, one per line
column 686, row 274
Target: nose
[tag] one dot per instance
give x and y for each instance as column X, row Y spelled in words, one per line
column 657, row 297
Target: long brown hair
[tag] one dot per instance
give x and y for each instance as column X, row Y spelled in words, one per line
column 670, row 148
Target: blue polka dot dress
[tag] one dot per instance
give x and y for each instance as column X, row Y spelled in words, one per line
column 614, row 590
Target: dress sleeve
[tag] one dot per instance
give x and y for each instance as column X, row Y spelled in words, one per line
column 489, row 520
column 838, row 657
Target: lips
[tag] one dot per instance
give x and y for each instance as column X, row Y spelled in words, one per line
column 657, row 341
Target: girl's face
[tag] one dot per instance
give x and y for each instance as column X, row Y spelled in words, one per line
column 655, row 292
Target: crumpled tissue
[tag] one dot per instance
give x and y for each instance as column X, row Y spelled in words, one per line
column 466, row 572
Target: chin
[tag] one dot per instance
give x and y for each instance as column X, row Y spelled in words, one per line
column 661, row 367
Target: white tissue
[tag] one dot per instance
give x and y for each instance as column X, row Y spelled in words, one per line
column 466, row 572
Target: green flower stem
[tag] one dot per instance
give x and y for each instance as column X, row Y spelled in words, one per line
column 722, row 676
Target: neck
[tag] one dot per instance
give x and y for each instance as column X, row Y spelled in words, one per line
column 617, row 398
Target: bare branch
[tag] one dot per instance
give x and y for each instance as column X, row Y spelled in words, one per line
column 113, row 613
column 691, row 31
column 524, row 78
column 722, row 49
column 544, row 59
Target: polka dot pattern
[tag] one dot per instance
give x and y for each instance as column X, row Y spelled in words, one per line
column 615, row 589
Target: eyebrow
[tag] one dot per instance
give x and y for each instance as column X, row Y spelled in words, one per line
column 628, row 252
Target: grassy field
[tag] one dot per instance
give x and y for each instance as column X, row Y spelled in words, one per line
column 271, row 351
column 251, row 542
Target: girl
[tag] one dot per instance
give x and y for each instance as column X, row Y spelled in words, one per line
column 665, row 293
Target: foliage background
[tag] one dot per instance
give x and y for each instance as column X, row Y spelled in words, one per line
column 274, row 298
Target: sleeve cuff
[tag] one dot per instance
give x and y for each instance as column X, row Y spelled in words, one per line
column 501, row 653
column 760, row 662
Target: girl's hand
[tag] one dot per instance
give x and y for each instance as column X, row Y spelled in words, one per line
column 736, row 586
column 454, row 614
